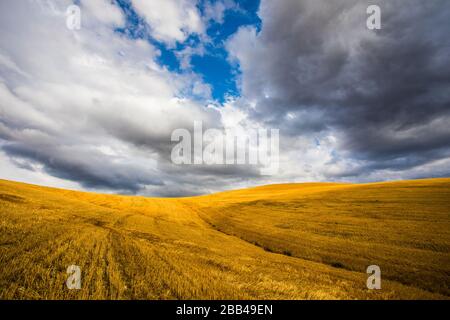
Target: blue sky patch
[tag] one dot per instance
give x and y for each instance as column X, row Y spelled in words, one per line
column 212, row 64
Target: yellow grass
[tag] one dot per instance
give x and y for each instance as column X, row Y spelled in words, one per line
column 292, row 241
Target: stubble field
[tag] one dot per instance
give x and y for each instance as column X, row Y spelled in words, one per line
column 291, row 241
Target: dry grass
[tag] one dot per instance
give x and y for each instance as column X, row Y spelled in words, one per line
column 298, row 241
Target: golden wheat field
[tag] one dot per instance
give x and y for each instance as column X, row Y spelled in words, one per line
column 291, row 241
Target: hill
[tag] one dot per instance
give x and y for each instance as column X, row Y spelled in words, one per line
column 293, row 241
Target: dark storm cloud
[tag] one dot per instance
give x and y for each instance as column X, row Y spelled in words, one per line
column 201, row 179
column 157, row 139
column 91, row 169
column 386, row 92
column 399, row 164
column 68, row 156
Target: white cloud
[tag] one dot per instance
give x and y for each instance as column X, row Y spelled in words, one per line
column 104, row 11
column 170, row 20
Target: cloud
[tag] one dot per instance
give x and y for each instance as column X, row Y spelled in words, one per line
column 215, row 11
column 91, row 106
column 315, row 70
column 104, row 11
column 91, row 167
column 93, row 109
column 170, row 20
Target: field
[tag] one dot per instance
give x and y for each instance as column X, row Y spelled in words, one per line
column 291, row 241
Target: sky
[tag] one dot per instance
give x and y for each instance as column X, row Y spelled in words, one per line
column 94, row 109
